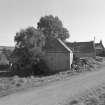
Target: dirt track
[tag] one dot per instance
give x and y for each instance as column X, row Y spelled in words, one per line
column 58, row 92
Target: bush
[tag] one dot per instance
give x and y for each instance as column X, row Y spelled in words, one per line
column 92, row 101
column 76, row 59
column 41, row 68
column 74, row 102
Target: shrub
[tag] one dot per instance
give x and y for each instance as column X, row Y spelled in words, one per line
column 74, row 102
column 41, row 68
column 92, row 101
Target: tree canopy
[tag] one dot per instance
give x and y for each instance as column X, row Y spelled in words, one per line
column 28, row 47
column 52, row 27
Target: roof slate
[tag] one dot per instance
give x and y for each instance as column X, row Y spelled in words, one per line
column 81, row 46
column 56, row 45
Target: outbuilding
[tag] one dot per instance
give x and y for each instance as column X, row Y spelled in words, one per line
column 58, row 56
column 83, row 49
column 100, row 50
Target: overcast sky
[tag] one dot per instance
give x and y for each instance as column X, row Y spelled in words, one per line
column 83, row 18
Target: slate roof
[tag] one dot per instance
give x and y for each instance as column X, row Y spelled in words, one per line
column 83, row 47
column 56, row 45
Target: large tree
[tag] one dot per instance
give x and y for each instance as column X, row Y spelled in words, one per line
column 30, row 38
column 52, row 27
column 28, row 47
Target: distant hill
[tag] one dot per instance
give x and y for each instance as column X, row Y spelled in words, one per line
column 7, row 47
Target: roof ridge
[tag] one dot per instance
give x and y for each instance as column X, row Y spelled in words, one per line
column 80, row 42
column 64, row 45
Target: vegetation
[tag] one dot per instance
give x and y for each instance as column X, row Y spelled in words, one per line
column 52, row 27
column 28, row 50
column 26, row 57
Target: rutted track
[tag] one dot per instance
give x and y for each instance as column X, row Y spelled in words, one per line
column 57, row 92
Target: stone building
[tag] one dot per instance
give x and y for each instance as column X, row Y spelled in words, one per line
column 83, row 49
column 99, row 48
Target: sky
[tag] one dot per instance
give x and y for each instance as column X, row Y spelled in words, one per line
column 84, row 19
